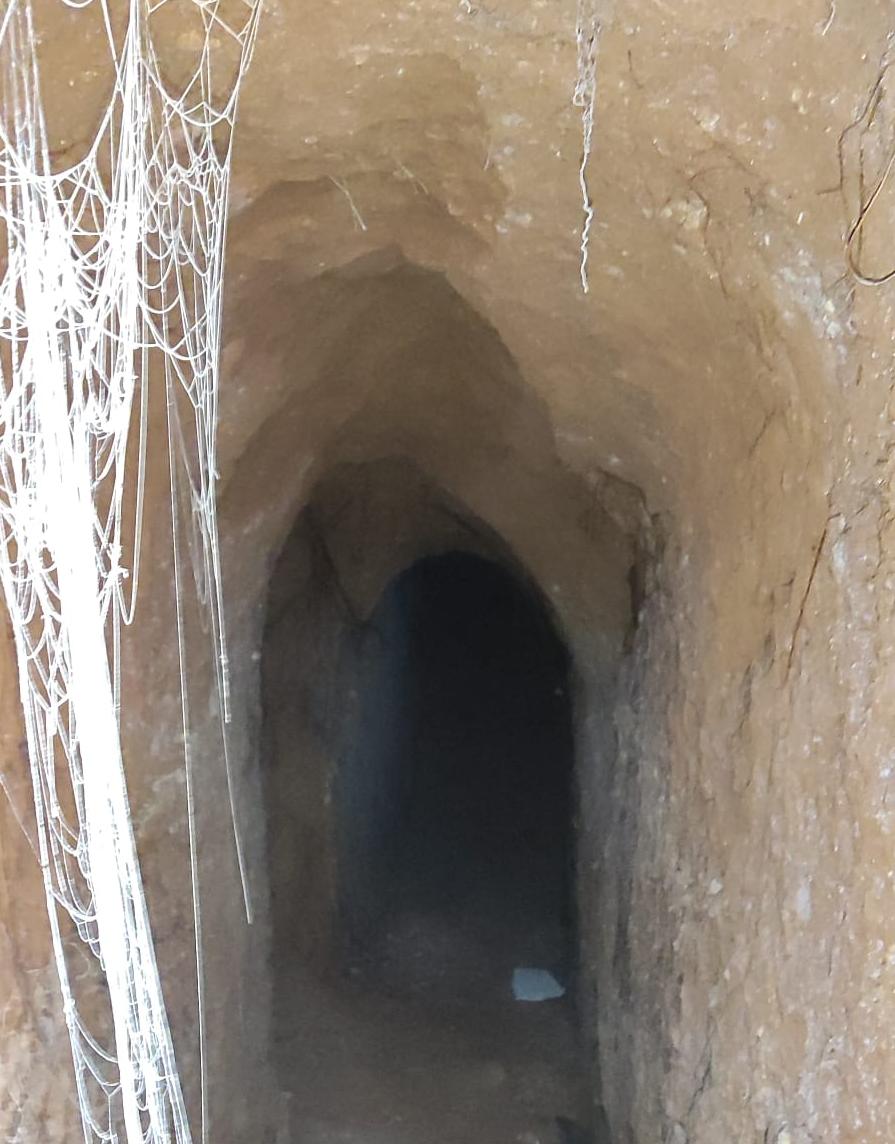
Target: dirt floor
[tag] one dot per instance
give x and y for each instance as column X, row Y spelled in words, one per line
column 421, row 1040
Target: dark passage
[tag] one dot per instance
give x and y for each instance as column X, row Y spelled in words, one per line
column 455, row 793
column 453, row 808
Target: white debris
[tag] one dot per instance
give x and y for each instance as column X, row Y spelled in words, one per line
column 536, row 985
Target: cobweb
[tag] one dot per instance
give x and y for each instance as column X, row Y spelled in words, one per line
column 587, row 37
column 112, row 282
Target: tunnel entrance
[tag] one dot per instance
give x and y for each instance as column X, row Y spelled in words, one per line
column 454, row 792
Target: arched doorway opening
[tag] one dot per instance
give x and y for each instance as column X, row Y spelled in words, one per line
column 454, row 790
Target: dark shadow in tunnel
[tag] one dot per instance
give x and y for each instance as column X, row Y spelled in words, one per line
column 417, row 753
column 454, row 791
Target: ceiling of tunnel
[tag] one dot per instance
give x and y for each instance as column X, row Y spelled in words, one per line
column 377, row 519
column 717, row 297
column 717, row 336
column 448, row 130
column 707, row 363
column 384, row 360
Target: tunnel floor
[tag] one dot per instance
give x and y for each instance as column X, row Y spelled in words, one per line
column 417, row 1038
column 426, row 1045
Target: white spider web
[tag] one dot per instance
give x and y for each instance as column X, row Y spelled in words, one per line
column 113, row 276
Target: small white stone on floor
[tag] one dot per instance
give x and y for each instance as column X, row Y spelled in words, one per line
column 536, row 985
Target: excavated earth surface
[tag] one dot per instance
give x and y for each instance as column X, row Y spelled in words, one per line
column 424, row 1044
column 692, row 463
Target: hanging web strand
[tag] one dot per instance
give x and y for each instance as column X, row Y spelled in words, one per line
column 587, row 34
column 112, row 281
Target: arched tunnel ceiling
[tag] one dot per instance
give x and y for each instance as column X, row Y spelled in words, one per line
column 383, row 360
column 448, row 129
column 718, row 332
column 717, row 296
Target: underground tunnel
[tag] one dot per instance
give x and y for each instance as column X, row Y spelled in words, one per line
column 421, row 800
column 437, row 606
column 456, row 781
column 559, row 620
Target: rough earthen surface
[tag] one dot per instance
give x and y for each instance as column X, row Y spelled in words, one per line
column 409, row 349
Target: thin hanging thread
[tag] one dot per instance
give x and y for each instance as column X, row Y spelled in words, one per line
column 587, row 34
